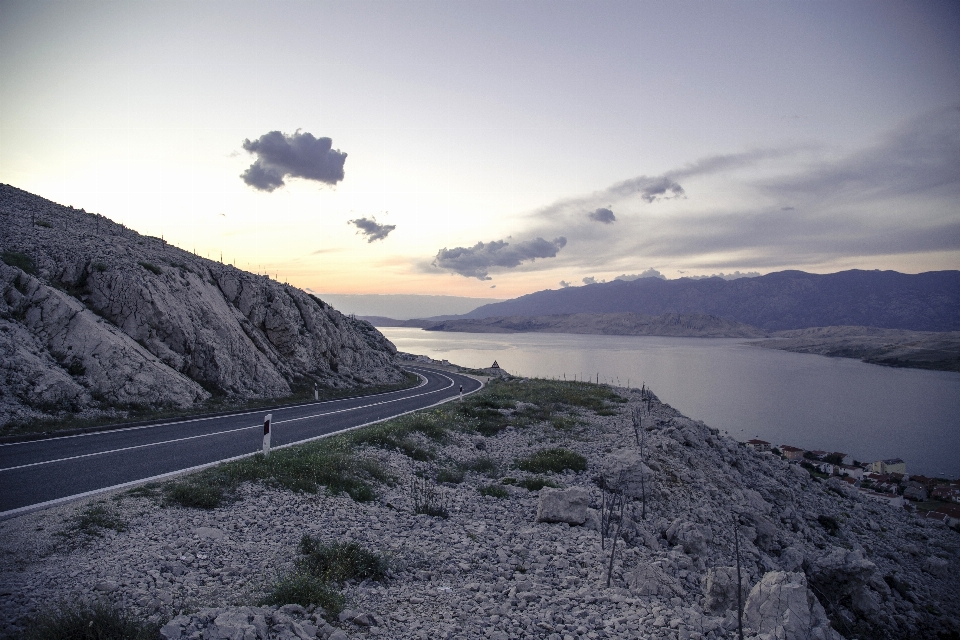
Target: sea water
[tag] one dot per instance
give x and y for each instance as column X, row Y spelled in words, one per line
column 810, row 401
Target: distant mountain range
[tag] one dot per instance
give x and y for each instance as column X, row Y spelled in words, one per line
column 774, row 302
column 616, row 324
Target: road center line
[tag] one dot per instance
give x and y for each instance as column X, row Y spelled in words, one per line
column 217, row 433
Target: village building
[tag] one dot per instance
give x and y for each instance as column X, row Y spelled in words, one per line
column 791, row 453
column 891, row 465
column 915, row 491
column 892, row 499
column 848, row 470
column 946, row 492
column 950, row 514
column 759, row 445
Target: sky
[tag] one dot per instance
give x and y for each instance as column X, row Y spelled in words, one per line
column 492, row 149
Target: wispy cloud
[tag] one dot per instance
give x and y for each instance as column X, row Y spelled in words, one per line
column 299, row 155
column 372, row 229
column 649, row 273
column 773, row 208
column 478, row 260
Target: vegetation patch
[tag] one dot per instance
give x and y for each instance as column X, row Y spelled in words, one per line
column 19, row 260
column 88, row 621
column 428, row 499
column 93, row 520
column 305, row 590
column 484, row 464
column 453, row 476
column 494, row 491
column 555, row 460
column 341, row 561
column 152, row 268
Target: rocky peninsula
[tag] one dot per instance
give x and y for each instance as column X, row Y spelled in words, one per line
column 533, row 509
column 100, row 322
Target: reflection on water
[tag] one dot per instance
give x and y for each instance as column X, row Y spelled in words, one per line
column 809, row 401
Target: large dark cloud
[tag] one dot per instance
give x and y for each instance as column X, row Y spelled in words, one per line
column 603, row 215
column 476, row 261
column 299, row 155
column 372, row 229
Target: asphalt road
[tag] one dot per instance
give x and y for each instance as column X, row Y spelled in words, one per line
column 33, row 474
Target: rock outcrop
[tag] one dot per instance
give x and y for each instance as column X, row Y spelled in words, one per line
column 95, row 318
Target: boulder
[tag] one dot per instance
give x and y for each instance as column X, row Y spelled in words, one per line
column 650, row 580
column 782, row 607
column 936, row 567
column 626, row 469
column 720, row 589
column 563, row 505
column 690, row 535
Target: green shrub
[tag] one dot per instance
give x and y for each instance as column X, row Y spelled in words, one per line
column 553, row 461
column 340, row 561
column 19, row 260
column 484, row 464
column 563, row 423
column 535, row 483
column 92, row 520
column 508, row 480
column 428, row 499
column 44, row 224
column 152, row 268
column 453, row 476
column 305, row 590
column 86, row 621
column 495, row 491
column 99, row 267
column 195, row 494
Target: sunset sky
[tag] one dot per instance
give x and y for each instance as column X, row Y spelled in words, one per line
column 492, row 149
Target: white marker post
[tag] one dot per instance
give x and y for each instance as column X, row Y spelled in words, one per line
column 461, row 393
column 316, row 392
column 266, row 434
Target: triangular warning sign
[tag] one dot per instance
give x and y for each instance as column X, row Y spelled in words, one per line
column 494, row 365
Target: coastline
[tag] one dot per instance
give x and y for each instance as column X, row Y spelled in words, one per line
column 490, row 568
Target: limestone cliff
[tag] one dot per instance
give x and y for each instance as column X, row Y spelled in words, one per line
column 96, row 317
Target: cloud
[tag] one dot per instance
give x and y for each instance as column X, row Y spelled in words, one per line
column 603, row 215
column 736, row 275
column 589, row 280
column 564, row 284
column 372, row 229
column 476, row 261
column 649, row 273
column 299, row 155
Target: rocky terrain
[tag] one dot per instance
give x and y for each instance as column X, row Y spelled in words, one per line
column 614, row 324
column 816, row 559
column 96, row 319
column 890, row 347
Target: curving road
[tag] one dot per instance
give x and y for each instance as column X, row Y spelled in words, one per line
column 45, row 472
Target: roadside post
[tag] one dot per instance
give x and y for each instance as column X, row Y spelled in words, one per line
column 461, row 393
column 316, row 392
column 266, row 434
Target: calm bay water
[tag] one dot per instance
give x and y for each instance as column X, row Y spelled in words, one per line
column 809, row 401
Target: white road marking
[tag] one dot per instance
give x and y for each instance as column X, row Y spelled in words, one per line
column 12, row 513
column 217, row 433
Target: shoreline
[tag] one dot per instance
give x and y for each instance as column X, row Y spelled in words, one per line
column 490, row 569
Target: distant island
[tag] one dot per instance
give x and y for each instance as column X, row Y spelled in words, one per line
column 615, row 324
column 889, row 347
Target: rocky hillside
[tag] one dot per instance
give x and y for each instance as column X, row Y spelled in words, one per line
column 889, row 347
column 520, row 478
column 613, row 324
column 773, row 302
column 95, row 318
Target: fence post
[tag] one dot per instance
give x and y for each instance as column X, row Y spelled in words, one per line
column 266, row 434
